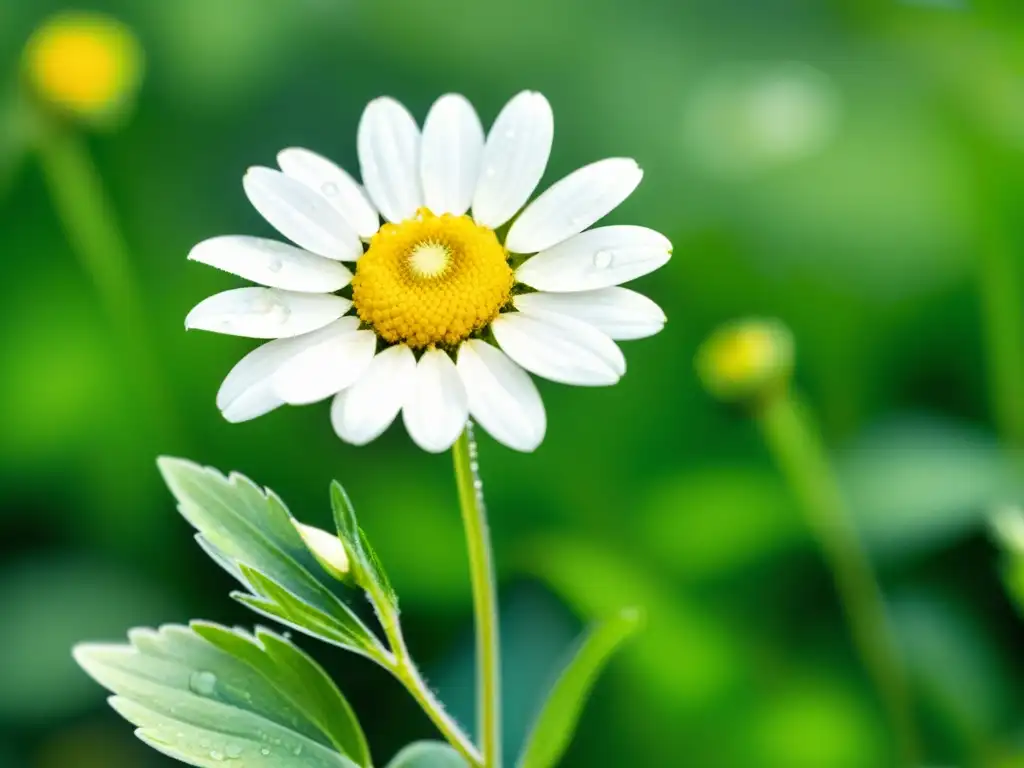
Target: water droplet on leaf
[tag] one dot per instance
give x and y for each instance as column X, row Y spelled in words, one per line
column 203, row 683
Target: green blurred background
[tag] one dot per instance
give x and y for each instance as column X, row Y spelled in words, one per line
column 847, row 166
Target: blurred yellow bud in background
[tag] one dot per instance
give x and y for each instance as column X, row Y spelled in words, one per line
column 326, row 548
column 746, row 360
column 85, row 65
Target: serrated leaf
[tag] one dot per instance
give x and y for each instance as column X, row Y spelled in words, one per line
column 298, row 677
column 556, row 723
column 247, row 531
column 272, row 600
column 366, row 566
column 428, row 754
column 376, row 568
column 206, row 702
column 344, row 513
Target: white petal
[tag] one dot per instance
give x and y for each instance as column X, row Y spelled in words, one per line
column 271, row 263
column 246, row 393
column 266, row 313
column 559, row 348
column 256, row 402
column 389, row 149
column 502, row 396
column 574, row 203
column 453, row 142
column 436, row 408
column 618, row 312
column 597, row 258
column 331, row 181
column 514, row 158
column 334, row 359
column 301, row 215
column 363, row 411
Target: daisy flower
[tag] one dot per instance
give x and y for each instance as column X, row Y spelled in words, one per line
column 432, row 314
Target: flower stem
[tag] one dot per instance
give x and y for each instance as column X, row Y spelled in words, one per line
column 792, row 437
column 485, row 603
column 90, row 223
column 407, row 673
column 400, row 663
column 1003, row 325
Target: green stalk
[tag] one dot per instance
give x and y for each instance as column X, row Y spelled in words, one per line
column 400, row 663
column 90, row 223
column 793, row 439
column 485, row 602
column 1002, row 307
column 407, row 673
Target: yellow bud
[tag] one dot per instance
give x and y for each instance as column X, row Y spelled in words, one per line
column 85, row 65
column 746, row 360
column 326, row 548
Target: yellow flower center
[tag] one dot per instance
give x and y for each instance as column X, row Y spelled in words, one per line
column 431, row 280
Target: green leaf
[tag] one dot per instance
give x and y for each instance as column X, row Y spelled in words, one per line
column 427, row 754
column 207, row 695
column 1013, row 576
column 298, row 677
column 597, row 580
column 250, row 533
column 273, row 601
column 917, row 484
column 556, row 723
column 366, row 566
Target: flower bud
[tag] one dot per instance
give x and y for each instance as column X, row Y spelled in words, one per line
column 326, row 548
column 746, row 360
column 84, row 65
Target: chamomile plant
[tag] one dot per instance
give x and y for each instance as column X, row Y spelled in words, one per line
column 440, row 314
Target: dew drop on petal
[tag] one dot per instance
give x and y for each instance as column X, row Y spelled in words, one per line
column 329, row 189
column 278, row 312
column 233, row 751
column 603, row 259
column 215, row 755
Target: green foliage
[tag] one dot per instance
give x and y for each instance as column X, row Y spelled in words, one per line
column 597, row 581
column 556, row 723
column 366, row 567
column 706, row 525
column 427, row 754
column 917, row 484
column 298, row 676
column 250, row 533
column 207, row 694
column 276, row 603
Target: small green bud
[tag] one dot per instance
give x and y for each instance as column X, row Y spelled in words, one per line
column 327, row 549
column 84, row 65
column 746, row 360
